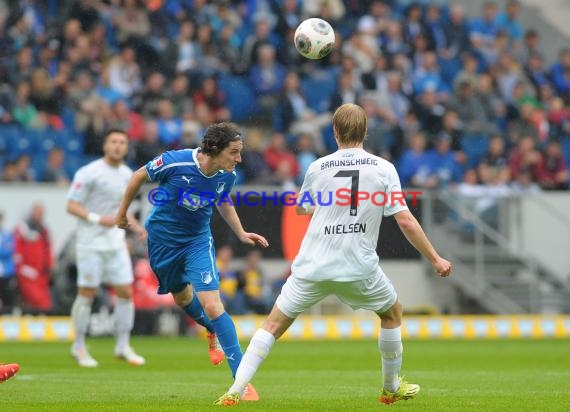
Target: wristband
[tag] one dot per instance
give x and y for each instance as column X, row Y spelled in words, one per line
column 93, row 217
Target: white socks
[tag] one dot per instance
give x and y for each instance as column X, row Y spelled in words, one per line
column 255, row 354
column 124, row 321
column 81, row 313
column 390, row 344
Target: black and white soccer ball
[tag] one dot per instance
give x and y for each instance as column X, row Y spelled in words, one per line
column 314, row 38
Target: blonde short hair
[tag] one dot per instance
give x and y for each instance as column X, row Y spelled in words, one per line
column 349, row 122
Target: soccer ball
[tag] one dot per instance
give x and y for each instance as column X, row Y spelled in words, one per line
column 314, row 38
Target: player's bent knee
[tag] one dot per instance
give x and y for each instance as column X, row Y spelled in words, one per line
column 213, row 309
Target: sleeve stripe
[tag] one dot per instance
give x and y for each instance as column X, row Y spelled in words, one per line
column 173, row 165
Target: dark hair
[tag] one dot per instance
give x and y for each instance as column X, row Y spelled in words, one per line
column 218, row 137
column 109, row 132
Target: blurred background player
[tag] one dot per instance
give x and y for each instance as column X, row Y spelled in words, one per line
column 180, row 243
column 354, row 275
column 34, row 261
column 102, row 253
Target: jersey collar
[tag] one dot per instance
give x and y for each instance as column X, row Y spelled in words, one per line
column 195, row 157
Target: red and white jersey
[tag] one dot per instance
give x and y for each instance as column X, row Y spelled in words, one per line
column 352, row 190
column 100, row 188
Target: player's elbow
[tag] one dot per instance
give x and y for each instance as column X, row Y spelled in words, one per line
column 407, row 222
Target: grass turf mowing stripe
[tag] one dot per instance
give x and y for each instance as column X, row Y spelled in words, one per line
column 509, row 375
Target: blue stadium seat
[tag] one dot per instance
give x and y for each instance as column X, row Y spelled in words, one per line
column 240, row 99
column 318, row 91
column 38, row 166
column 475, row 146
column 74, row 162
column 72, row 143
column 9, row 136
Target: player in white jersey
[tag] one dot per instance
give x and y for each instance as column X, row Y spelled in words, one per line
column 338, row 253
column 101, row 248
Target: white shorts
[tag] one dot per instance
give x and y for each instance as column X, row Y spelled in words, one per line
column 375, row 293
column 111, row 267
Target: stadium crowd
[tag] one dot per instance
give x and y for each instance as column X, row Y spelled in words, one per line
column 448, row 96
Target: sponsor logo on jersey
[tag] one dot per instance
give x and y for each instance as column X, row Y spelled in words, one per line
column 186, row 179
column 156, row 163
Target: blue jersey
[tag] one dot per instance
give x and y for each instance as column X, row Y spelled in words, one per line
column 186, row 196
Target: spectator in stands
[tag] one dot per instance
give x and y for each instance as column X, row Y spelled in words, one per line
column 169, row 126
column 267, row 78
column 456, row 33
column 412, row 167
column 345, row 92
column 393, row 40
column 393, row 105
column 429, row 111
column 373, row 80
column 149, row 146
column 524, row 183
column 22, row 67
column 154, row 90
column 124, row 73
column 55, row 168
column 470, row 110
column 552, row 171
column 180, row 97
column 442, row 164
column 34, row 261
column 230, row 291
column 24, row 112
column 281, row 161
column 122, row 117
column 22, row 169
column 559, row 117
column 209, row 103
column 306, row 155
column 525, row 159
column 43, row 94
column 427, row 76
column 105, row 89
column 492, row 104
column 509, row 21
column 484, row 29
column 536, row 72
column 253, row 284
column 494, row 165
column 131, row 21
column 413, row 24
column 209, row 50
column 560, row 74
column 8, row 283
column 481, row 199
column 188, row 55
column 296, row 115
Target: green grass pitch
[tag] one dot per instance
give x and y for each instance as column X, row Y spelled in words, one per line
column 519, row 375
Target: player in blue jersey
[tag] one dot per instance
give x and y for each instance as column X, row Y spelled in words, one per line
column 180, row 244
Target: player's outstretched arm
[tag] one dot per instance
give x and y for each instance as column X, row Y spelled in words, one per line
column 77, row 209
column 231, row 217
column 411, row 228
column 137, row 180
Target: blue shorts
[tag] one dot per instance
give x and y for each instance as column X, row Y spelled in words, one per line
column 195, row 264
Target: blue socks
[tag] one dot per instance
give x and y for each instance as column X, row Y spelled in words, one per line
column 226, row 333
column 195, row 311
